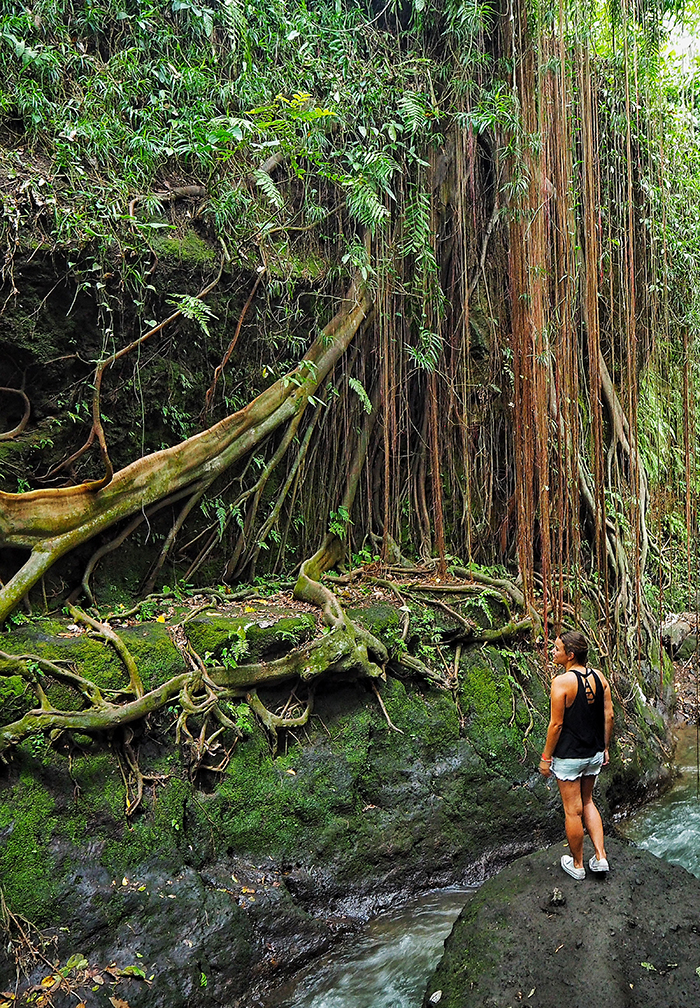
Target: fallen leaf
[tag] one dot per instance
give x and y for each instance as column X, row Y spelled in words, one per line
column 119, row 1003
column 125, row 881
column 99, row 979
column 160, row 619
column 49, row 981
column 134, row 971
column 246, row 889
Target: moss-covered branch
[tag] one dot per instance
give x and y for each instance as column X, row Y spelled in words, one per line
column 52, row 522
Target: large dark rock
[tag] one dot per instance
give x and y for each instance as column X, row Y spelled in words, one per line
column 532, row 935
column 271, row 858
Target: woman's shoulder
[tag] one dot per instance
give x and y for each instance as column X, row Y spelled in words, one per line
column 565, row 680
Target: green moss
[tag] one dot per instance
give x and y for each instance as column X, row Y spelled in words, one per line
column 27, row 822
column 49, row 639
column 187, row 249
column 265, row 639
column 472, row 952
column 16, row 698
column 376, row 618
column 156, row 657
column 494, row 706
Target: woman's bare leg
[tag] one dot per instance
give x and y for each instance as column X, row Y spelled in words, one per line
column 591, row 817
column 572, row 800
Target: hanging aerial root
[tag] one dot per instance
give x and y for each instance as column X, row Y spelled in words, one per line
column 274, row 723
column 385, row 711
column 9, row 435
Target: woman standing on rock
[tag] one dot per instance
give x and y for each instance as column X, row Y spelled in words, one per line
column 580, row 728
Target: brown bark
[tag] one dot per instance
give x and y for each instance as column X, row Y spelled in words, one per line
column 52, row 522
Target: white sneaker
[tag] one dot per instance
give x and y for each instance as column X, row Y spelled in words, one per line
column 595, row 865
column 567, row 863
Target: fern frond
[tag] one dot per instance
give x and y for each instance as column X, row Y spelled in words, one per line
column 233, row 16
column 264, row 182
column 415, row 109
column 427, row 354
column 359, row 388
column 192, row 308
column 365, row 206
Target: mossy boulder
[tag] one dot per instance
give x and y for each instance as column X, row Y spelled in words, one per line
column 156, row 656
column 247, row 640
column 354, row 803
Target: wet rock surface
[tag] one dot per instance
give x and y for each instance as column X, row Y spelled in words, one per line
column 157, row 938
column 534, row 936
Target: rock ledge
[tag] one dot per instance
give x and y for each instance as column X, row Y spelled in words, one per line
column 628, row 940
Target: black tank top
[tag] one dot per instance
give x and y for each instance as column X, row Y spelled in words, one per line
column 583, row 731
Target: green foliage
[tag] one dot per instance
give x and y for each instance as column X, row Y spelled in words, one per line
column 239, row 648
column 339, row 521
column 195, row 309
column 359, row 388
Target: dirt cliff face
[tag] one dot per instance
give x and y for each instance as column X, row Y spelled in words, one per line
column 534, row 936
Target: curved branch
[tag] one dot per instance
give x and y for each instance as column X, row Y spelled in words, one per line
column 104, row 630
column 231, row 347
column 115, row 543
column 51, row 522
column 97, row 430
column 8, row 435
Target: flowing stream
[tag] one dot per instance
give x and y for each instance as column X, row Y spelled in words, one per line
column 669, row 826
column 387, row 965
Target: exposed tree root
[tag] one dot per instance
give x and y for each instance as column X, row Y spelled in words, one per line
column 105, row 631
column 9, row 435
column 115, row 543
column 385, row 711
column 54, row 521
column 274, row 723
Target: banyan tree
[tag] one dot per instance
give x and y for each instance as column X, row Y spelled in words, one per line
column 412, row 284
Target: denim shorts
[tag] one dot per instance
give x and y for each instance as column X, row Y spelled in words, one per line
column 572, row 769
